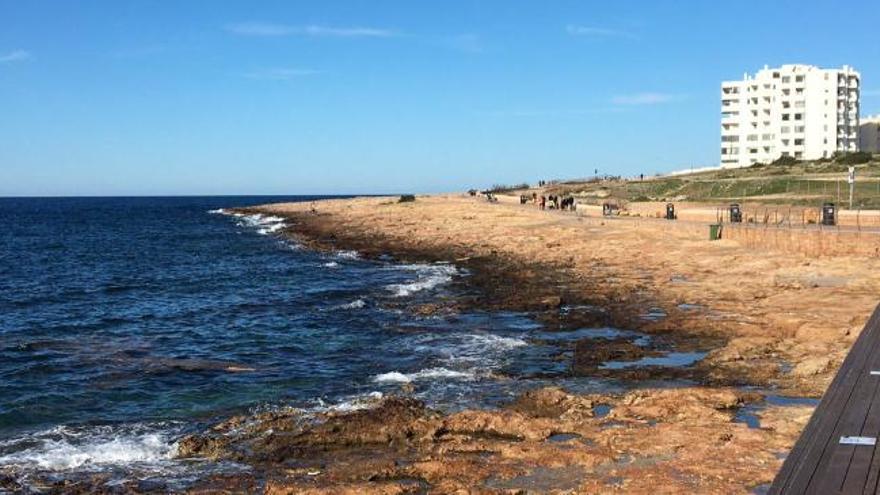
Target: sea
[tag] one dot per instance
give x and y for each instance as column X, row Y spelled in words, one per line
column 127, row 323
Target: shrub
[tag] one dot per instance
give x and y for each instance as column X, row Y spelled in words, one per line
column 855, row 158
column 501, row 188
column 406, row 198
column 785, row 160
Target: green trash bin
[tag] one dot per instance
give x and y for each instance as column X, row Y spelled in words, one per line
column 714, row 231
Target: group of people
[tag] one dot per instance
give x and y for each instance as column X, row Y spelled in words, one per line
column 558, row 202
column 552, row 202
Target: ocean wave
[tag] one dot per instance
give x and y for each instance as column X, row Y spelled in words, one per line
column 218, row 211
column 426, row 374
column 330, row 264
column 429, row 277
column 67, row 448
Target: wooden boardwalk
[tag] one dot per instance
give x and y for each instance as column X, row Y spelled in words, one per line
column 838, row 450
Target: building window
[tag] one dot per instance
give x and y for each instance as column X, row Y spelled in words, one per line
column 786, row 79
column 786, row 116
column 799, row 79
column 798, row 116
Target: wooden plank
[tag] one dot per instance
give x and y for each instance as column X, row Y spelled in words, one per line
column 857, row 475
column 834, row 465
column 859, row 470
column 800, row 465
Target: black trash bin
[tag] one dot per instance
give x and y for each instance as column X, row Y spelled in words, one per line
column 736, row 214
column 670, row 211
column 829, row 214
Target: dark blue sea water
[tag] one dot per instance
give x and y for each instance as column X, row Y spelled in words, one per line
column 127, row 322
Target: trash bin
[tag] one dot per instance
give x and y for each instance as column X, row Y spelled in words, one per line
column 736, row 214
column 714, row 231
column 829, row 216
column 606, row 209
column 670, row 211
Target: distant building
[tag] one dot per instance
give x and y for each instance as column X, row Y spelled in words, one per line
column 794, row 110
column 869, row 134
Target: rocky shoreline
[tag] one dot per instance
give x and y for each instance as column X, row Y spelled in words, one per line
column 688, row 438
column 721, row 427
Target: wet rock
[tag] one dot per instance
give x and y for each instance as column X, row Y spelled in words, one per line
column 589, row 354
column 551, row 302
column 395, row 419
column 209, row 447
column 429, row 309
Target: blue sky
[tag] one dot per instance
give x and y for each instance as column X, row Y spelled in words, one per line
column 211, row 97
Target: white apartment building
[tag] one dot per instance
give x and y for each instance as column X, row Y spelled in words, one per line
column 869, row 134
column 796, row 110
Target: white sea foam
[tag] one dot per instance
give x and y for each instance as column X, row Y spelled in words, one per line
column 218, row 211
column 426, row 374
column 495, row 342
column 429, row 276
column 393, row 376
column 353, row 403
column 347, row 255
column 265, row 224
column 65, row 448
column 330, row 264
column 356, row 304
column 271, row 228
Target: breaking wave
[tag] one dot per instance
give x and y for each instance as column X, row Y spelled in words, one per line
column 428, row 277
column 426, row 374
column 264, row 224
column 66, row 448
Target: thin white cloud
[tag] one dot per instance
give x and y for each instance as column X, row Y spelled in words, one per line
column 15, row 56
column 264, row 29
column 598, row 32
column 647, row 98
column 280, row 74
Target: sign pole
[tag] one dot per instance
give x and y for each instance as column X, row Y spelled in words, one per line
column 852, row 181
